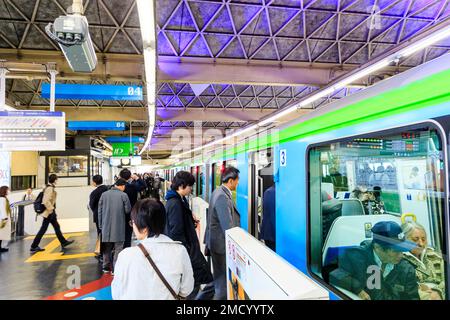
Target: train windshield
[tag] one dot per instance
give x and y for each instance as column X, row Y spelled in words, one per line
column 376, row 215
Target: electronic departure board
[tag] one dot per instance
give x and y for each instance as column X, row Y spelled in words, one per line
column 406, row 143
column 32, row 131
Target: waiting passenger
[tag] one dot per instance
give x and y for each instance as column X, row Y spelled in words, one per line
column 181, row 224
column 5, row 217
column 268, row 225
column 222, row 216
column 94, row 199
column 133, row 187
column 430, row 268
column 135, row 277
column 113, row 207
column 376, row 270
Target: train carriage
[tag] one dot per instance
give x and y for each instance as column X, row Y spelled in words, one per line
column 380, row 154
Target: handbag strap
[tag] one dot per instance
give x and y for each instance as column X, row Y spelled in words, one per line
column 147, row 255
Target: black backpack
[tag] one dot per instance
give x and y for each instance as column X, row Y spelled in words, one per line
column 38, row 206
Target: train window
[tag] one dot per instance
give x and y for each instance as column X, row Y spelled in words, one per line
column 376, row 215
column 200, row 182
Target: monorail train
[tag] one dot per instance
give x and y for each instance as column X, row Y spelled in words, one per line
column 388, row 142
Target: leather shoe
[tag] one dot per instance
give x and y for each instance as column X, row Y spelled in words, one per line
column 67, row 243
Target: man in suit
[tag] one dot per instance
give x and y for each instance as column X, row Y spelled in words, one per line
column 133, row 187
column 222, row 216
column 94, row 198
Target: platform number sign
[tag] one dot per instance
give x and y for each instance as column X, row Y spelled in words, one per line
column 134, row 91
column 283, row 158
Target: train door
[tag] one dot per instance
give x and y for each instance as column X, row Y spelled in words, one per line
column 217, row 169
column 260, row 179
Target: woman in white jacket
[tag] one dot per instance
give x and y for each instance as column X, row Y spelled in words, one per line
column 134, row 276
column 5, row 218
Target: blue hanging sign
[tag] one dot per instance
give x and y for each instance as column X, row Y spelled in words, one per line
column 125, row 139
column 93, row 92
column 97, row 125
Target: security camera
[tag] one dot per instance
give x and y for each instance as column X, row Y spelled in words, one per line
column 71, row 32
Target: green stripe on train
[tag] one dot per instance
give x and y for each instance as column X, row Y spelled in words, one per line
column 419, row 94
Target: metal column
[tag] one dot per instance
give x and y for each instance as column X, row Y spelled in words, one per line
column 52, row 89
column 3, row 72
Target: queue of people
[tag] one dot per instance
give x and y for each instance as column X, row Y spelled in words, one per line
column 167, row 263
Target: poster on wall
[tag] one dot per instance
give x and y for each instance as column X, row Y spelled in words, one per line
column 5, row 169
column 32, row 131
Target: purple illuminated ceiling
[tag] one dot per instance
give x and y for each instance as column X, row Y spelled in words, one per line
column 344, row 32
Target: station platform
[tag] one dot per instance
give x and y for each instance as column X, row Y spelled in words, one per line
column 51, row 274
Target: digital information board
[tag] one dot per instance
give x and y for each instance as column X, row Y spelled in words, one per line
column 32, row 131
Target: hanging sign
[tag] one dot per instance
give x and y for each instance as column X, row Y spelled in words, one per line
column 93, row 92
column 122, row 149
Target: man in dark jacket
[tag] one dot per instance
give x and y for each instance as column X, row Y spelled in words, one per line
column 268, row 219
column 377, row 270
column 94, row 198
column 133, row 187
column 180, row 226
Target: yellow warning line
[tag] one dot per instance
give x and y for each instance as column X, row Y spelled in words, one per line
column 49, row 236
column 49, row 255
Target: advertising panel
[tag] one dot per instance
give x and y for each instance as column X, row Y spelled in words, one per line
column 255, row 272
column 5, row 169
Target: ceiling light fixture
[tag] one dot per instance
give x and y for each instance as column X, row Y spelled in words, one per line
column 146, row 11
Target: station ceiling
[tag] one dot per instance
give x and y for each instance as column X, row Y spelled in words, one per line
column 224, row 63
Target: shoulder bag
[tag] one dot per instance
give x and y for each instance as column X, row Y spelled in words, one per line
column 147, row 255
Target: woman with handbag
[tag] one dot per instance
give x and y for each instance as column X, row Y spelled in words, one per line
column 158, row 268
column 5, row 218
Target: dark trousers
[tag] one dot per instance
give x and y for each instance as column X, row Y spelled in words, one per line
column 219, row 263
column 110, row 254
column 270, row 244
column 207, row 293
column 51, row 219
column 128, row 232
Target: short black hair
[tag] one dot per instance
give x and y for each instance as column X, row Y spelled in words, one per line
column 182, row 179
column 230, row 173
column 125, row 174
column 149, row 214
column 120, row 182
column 52, row 178
column 98, row 179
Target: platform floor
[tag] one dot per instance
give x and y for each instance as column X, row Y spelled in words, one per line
column 51, row 274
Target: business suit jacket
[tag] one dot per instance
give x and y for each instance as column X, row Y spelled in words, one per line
column 222, row 215
column 94, row 198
